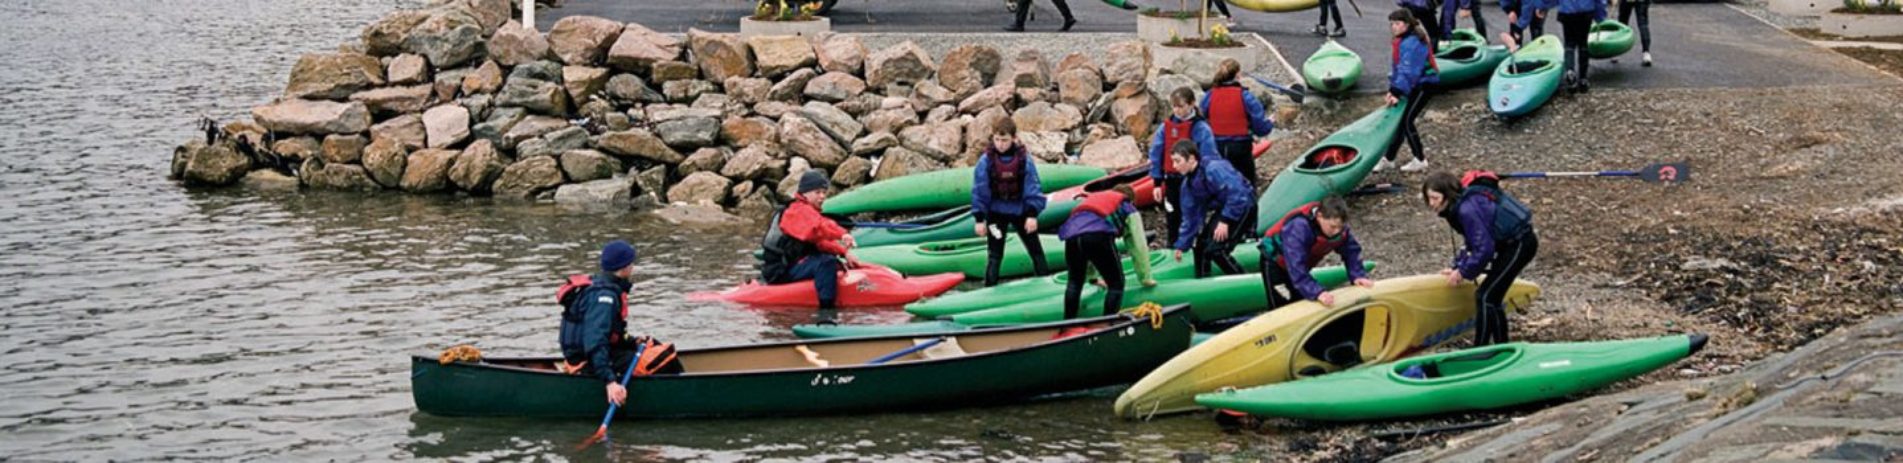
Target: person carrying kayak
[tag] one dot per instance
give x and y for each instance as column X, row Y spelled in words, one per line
column 1184, row 124
column 594, row 333
column 1005, row 195
column 800, row 244
column 1328, row 7
column 1644, row 8
column 1575, row 21
column 1500, row 242
column 1526, row 20
column 1299, row 241
column 1215, row 203
column 1413, row 78
column 1425, row 15
column 1235, row 118
column 1090, row 243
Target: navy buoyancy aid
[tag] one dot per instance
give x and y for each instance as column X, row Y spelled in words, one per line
column 1227, row 115
column 1321, row 247
column 780, row 251
column 1511, row 218
column 1007, row 176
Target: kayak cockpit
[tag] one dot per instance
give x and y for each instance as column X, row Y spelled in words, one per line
column 1465, row 52
column 1449, row 368
column 1524, row 67
column 1328, row 158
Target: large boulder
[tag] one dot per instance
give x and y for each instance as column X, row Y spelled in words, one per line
column 721, row 103
column 1076, row 61
column 669, row 71
column 790, row 88
column 689, row 132
column 891, row 120
column 526, row 177
column 685, row 91
column 385, row 37
column 833, row 121
column 1165, row 85
column 969, row 68
column 586, row 165
column 704, row 160
column 658, row 114
column 834, row 87
column 875, row 143
column 554, row 143
column 638, row 48
column 478, row 167
column 1198, row 65
column 408, row 69
column 212, row 165
column 803, row 137
column 638, row 143
column 447, row 38
column 446, row 125
column 1135, row 114
column 406, row 130
column 900, row 162
column 1079, row 86
column 1126, row 62
column 539, row 96
column 651, row 183
column 1046, row 117
column 1113, row 154
column 333, row 76
column 995, row 96
column 774, row 109
column 942, row 141
column 515, row 44
column 312, row 117
column 1046, row 146
column 315, row 173
column 268, row 180
column 300, row 148
column 930, row 95
column 629, row 89
column 1029, row 70
column 720, row 55
column 486, row 78
column 427, row 171
column 390, row 101
column 839, row 52
column 582, row 40
column 384, row 160
column 775, row 55
column 498, row 124
column 583, row 82
column 700, row 188
column 852, row 172
column 749, row 131
column 747, row 90
column 604, row 192
column 902, row 63
column 749, row 163
column 529, row 128
column 343, row 149
column 978, row 133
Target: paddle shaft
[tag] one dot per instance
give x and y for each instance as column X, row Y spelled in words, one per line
column 1656, row 173
column 1292, row 94
column 625, row 377
column 906, row 351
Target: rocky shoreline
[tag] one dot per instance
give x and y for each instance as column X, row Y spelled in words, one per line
column 458, row 98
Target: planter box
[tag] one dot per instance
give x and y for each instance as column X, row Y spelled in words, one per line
column 1157, row 30
column 1247, row 55
column 1811, row 8
column 1861, row 25
column 750, row 28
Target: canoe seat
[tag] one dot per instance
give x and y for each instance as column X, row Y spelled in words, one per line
column 947, row 349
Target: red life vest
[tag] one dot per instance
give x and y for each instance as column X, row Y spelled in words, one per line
column 1321, row 247
column 1227, row 115
column 1467, row 179
column 1396, row 49
column 1007, row 177
column 571, row 288
column 1175, row 131
column 1102, row 203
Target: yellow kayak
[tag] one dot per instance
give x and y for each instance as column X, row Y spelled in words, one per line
column 1396, row 318
column 1276, row 6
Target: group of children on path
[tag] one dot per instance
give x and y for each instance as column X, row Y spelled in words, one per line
column 1526, row 19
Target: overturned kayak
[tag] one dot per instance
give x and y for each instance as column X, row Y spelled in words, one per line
column 864, row 375
column 1463, row 63
column 1333, row 69
column 869, row 286
column 1481, row 378
column 1333, row 167
column 1395, row 318
column 966, row 255
column 1162, row 268
column 941, row 189
column 1526, row 79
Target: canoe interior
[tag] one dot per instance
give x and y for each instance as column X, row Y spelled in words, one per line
column 1466, row 52
column 1528, row 66
column 1328, row 159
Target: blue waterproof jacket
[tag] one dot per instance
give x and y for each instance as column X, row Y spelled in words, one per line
column 1297, row 235
column 1259, row 124
column 592, row 322
column 1473, row 219
column 1213, row 186
column 1411, row 70
column 1030, row 200
column 1596, row 7
column 1199, row 132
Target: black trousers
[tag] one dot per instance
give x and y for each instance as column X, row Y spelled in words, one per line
column 994, row 245
column 1490, row 315
column 1416, row 103
column 1220, row 6
column 1480, row 22
column 1430, row 20
column 1644, row 8
column 1274, row 276
column 1024, row 8
column 1210, row 251
column 1173, row 207
column 1535, row 27
column 1239, row 155
column 1575, row 28
column 1329, row 7
column 1092, row 250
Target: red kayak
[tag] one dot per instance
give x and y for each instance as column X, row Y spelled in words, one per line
column 866, row 286
column 1139, row 179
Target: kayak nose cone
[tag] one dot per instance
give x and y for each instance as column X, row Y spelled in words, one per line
column 1698, row 342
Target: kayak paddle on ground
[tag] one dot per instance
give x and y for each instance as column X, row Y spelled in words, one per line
column 1293, row 94
column 601, row 433
column 1673, row 172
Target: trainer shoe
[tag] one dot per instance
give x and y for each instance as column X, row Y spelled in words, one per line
column 1339, row 32
column 1321, row 30
column 1415, row 165
column 1647, row 60
column 1383, row 165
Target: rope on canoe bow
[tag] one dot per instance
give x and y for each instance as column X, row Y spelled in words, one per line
column 1147, row 309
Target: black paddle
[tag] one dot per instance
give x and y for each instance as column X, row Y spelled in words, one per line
column 1673, row 172
column 1293, row 94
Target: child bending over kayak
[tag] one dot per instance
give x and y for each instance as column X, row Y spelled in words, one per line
column 1090, row 243
column 1215, row 202
column 1005, row 196
column 1293, row 245
column 1500, row 242
column 1184, row 124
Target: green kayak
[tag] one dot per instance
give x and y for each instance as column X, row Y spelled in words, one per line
column 1463, row 63
column 1162, row 268
column 1334, row 166
column 1526, row 79
column 965, row 255
column 1474, row 379
column 1460, row 37
column 950, row 224
column 942, row 189
column 1332, row 69
column 1609, row 39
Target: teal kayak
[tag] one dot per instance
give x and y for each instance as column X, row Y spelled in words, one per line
column 1334, row 166
column 966, row 255
column 1462, row 36
column 1526, row 79
column 1463, row 63
column 1332, row 69
column 1481, row 378
column 1609, row 39
column 1162, row 268
column 942, row 189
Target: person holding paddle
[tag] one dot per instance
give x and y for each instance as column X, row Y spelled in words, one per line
column 594, row 333
column 1299, row 241
column 1183, row 124
column 1412, row 79
column 1005, row 194
column 1090, row 242
column 1500, row 242
column 1215, row 203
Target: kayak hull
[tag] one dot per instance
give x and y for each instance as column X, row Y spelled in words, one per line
column 1609, row 39
column 1332, row 69
column 1461, row 36
column 1526, row 79
column 1483, row 378
column 952, row 224
column 875, row 287
column 1466, row 63
column 1209, row 299
column 1394, row 319
column 1366, row 140
column 965, row 256
column 941, row 189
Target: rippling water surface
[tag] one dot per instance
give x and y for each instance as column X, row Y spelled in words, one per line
column 139, row 319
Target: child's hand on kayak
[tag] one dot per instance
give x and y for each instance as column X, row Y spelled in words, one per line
column 1453, row 276
column 1392, row 100
column 1156, row 193
column 849, row 241
column 1179, row 255
column 1364, row 282
column 979, row 229
column 1327, row 298
column 1030, row 224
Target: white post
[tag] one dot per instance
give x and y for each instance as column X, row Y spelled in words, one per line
column 528, row 14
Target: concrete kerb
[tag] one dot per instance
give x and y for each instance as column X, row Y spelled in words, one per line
column 1813, row 43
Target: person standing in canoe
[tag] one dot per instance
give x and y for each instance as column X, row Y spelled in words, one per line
column 1090, row 243
column 594, row 336
column 1215, row 203
column 1500, row 242
column 1644, row 8
column 1005, row 195
column 1425, row 15
column 1412, row 80
column 1299, row 241
column 800, row 244
column 1575, row 22
column 1184, row 124
column 1235, row 118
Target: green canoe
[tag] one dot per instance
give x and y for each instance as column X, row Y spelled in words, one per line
column 1608, row 39
column 965, row 255
column 1332, row 69
column 1306, row 180
column 1162, row 268
column 1463, row 63
column 963, row 369
column 951, row 224
column 1462, row 36
column 1474, row 379
column 1527, row 78
column 942, row 189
